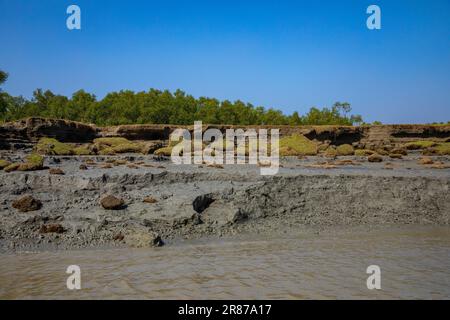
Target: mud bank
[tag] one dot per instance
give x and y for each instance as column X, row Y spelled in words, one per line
column 190, row 202
column 24, row 133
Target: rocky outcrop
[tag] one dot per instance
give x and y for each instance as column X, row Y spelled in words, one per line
column 26, row 204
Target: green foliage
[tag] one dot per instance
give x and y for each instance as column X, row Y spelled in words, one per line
column 160, row 107
column 3, row 95
column 3, row 77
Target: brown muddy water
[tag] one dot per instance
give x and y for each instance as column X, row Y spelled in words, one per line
column 414, row 262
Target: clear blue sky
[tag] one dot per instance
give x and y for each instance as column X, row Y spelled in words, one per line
column 289, row 55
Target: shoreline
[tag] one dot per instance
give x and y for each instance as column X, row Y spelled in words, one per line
column 195, row 202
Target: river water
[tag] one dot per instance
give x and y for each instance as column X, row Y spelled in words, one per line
column 414, row 263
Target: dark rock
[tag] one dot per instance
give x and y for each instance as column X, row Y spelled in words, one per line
column 375, row 158
column 143, row 239
column 202, row 202
column 150, row 200
column 51, row 228
column 395, row 156
column 26, row 204
column 112, row 203
column 118, row 237
column 83, row 167
column 57, row 171
column 401, row 151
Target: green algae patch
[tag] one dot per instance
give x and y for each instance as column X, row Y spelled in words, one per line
column 297, row 145
column 51, row 146
column 420, row 144
column 345, row 150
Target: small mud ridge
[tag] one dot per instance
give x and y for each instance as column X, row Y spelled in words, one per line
column 154, row 201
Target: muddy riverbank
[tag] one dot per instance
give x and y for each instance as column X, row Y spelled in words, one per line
column 163, row 202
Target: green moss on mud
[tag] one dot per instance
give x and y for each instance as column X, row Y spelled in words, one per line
column 297, row 145
column 50, row 146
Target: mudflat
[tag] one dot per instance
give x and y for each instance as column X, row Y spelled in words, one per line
column 160, row 202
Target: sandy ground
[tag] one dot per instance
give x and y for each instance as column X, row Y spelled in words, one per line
column 194, row 201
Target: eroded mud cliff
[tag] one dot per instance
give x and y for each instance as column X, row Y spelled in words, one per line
column 19, row 134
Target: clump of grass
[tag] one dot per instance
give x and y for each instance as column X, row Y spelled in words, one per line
column 50, row 146
column 345, row 150
column 4, row 163
column 297, row 145
column 32, row 162
column 331, row 152
column 107, row 151
column 420, row 144
column 110, row 142
column 36, row 159
column 12, row 167
column 82, row 151
column 442, row 148
column 128, row 148
column 166, row 151
column 322, row 147
column 364, row 152
column 110, row 146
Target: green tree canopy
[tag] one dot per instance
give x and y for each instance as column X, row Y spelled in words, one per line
column 161, row 107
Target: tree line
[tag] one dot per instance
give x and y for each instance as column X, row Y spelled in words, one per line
column 160, row 107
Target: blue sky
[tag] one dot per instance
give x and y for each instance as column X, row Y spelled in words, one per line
column 289, row 55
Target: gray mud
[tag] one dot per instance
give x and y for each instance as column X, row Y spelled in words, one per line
column 195, row 201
